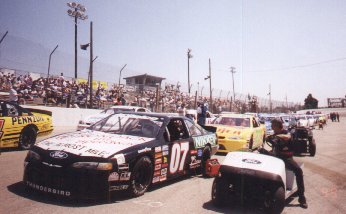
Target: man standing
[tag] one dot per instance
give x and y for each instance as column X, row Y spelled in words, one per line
column 13, row 96
column 281, row 139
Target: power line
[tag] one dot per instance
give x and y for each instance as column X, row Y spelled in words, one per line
column 298, row 66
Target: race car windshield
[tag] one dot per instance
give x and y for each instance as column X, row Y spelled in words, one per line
column 233, row 121
column 127, row 124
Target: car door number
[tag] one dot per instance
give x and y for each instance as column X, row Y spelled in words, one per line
column 178, row 156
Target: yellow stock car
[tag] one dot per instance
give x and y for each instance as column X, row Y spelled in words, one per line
column 238, row 132
column 20, row 126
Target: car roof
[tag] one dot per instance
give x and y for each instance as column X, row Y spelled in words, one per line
column 155, row 114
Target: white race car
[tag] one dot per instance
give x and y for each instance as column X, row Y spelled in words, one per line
column 91, row 119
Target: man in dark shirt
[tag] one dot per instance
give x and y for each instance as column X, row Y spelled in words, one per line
column 281, row 150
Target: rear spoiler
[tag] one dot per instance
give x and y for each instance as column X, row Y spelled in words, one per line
column 40, row 111
column 210, row 128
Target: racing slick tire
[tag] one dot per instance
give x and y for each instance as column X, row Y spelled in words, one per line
column 219, row 192
column 205, row 156
column 312, row 148
column 141, row 177
column 27, row 137
column 276, row 203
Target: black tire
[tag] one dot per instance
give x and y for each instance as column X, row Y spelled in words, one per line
column 219, row 192
column 205, row 156
column 276, row 203
column 141, row 177
column 312, row 148
column 251, row 142
column 27, row 137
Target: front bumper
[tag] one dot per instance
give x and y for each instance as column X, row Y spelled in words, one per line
column 66, row 182
column 227, row 145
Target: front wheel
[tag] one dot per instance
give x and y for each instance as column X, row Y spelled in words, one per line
column 276, row 202
column 206, row 155
column 219, row 192
column 141, row 177
column 312, row 148
column 27, row 137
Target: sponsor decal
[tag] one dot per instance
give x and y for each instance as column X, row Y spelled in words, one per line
column 251, row 161
column 158, row 155
column 48, row 189
column 146, row 149
column 194, row 162
column 158, row 149
column 91, row 143
column 157, row 173
column 165, row 153
column 120, row 158
column 165, row 148
column 193, row 152
column 163, row 177
column 204, row 140
column 125, row 176
column 164, row 171
column 157, row 167
column 123, row 167
column 165, row 159
column 156, row 179
column 58, row 154
column 26, row 120
column 120, row 187
column 199, row 152
column 164, row 165
column 158, row 161
column 114, row 176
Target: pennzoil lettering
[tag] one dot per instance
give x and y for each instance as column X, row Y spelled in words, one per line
column 26, row 120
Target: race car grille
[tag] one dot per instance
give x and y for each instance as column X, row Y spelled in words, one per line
column 67, row 182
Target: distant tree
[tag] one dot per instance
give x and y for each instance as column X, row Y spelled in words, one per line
column 310, row 102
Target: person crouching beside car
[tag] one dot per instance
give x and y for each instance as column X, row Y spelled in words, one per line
column 281, row 147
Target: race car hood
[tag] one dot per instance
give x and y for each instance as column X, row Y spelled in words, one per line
column 39, row 111
column 90, row 143
column 236, row 131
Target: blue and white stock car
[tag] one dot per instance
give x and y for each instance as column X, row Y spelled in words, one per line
column 123, row 152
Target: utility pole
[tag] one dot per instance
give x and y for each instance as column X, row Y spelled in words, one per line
column 91, row 64
column 189, row 55
column 233, row 71
column 210, row 90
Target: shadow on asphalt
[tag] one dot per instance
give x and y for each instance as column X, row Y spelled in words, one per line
column 11, row 150
column 249, row 207
column 22, row 190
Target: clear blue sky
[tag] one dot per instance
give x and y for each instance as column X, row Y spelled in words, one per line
column 296, row 46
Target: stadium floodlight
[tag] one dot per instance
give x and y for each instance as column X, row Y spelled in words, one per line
column 76, row 11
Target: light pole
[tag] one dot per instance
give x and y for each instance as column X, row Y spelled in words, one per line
column 120, row 73
column 77, row 12
column 50, row 56
column 3, row 37
column 210, row 90
column 189, row 55
column 233, row 71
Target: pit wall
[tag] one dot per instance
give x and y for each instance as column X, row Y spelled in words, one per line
column 66, row 117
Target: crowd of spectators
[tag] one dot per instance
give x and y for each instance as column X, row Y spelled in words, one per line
column 61, row 91
column 57, row 91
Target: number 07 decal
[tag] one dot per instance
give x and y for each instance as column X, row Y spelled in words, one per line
column 178, row 156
